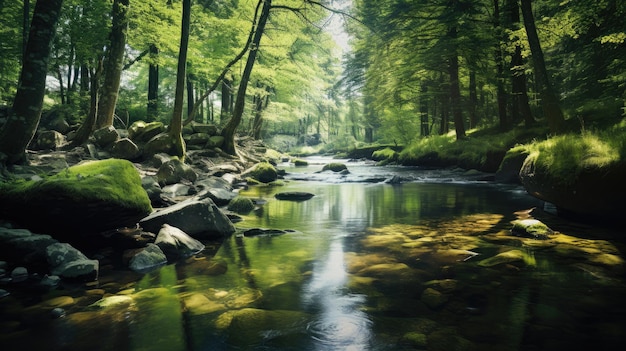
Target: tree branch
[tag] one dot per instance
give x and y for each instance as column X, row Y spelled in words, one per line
column 136, row 59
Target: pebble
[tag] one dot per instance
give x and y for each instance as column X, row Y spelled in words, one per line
column 19, row 274
column 50, row 281
column 4, row 293
column 57, row 313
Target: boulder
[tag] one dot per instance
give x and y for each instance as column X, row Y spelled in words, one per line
column 151, row 185
column 175, row 190
column 125, row 149
column 90, row 197
column 294, row 196
column 335, row 167
column 531, row 228
column 591, row 194
column 509, row 169
column 49, row 140
column 209, row 129
column 147, row 259
column 177, row 244
column 141, row 131
column 263, row 172
column 433, row 298
column 241, row 204
column 197, row 139
column 104, row 137
column 174, row 171
column 68, row 262
column 162, row 142
column 215, row 141
column 198, row 218
column 23, row 246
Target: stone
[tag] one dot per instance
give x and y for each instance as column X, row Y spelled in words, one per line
column 531, row 228
column 141, row 131
column 177, row 189
column 147, row 259
column 151, row 185
column 300, row 163
column 68, row 262
column 106, row 136
column 220, row 196
column 90, row 197
column 21, row 245
column 209, row 129
column 19, row 274
column 175, row 171
column 509, row 169
column 125, row 149
column 335, row 167
column 263, row 172
column 215, row 141
column 121, row 301
column 241, row 204
column 294, row 196
column 197, row 218
column 197, row 139
column 177, row 244
column 433, row 298
column 50, row 281
column 501, row 258
column 49, row 140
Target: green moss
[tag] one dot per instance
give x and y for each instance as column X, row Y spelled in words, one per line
column 334, row 166
column 264, row 172
column 241, row 204
column 300, row 163
column 113, row 181
column 384, row 154
column 564, row 157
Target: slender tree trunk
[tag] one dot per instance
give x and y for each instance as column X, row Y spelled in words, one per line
column 455, row 95
column 229, row 130
column 227, row 95
column 473, row 99
column 83, row 133
column 190, row 95
column 153, row 84
column 176, row 125
column 550, row 102
column 519, row 90
column 501, row 95
column 24, row 116
column 113, row 63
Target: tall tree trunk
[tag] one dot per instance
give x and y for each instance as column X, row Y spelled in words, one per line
column 83, row 133
column 176, row 125
column 153, row 84
column 455, row 95
column 20, row 127
column 423, row 102
column 473, row 99
column 519, row 90
column 229, row 130
column 190, row 95
column 227, row 95
column 113, row 63
column 501, row 95
column 550, row 102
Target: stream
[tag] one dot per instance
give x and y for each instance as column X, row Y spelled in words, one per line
column 367, row 265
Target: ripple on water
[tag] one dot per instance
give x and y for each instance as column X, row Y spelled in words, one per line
column 343, row 331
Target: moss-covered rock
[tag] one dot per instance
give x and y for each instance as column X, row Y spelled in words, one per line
column 300, row 163
column 264, row 172
column 241, row 204
column 385, row 154
column 531, row 228
column 335, row 167
column 90, row 197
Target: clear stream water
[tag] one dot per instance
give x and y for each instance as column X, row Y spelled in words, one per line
column 366, row 266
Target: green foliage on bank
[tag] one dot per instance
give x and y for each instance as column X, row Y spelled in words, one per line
column 564, row 157
column 479, row 150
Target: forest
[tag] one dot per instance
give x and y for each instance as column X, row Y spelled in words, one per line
column 413, row 69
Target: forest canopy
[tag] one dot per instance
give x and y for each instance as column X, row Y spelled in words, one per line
column 414, row 68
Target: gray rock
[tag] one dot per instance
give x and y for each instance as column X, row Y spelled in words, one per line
column 197, row 139
column 126, row 149
column 19, row 274
column 49, row 140
column 22, row 245
column 177, row 244
column 4, row 293
column 174, row 171
column 141, row 131
column 176, row 190
column 104, row 137
column 68, row 262
column 152, row 187
column 215, row 141
column 149, row 258
column 221, row 197
column 197, row 218
column 294, row 195
column 209, row 129
column 50, row 281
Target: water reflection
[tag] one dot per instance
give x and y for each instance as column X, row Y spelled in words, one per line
column 339, row 323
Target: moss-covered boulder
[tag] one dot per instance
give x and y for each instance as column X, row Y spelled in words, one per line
column 335, row 167
column 241, row 204
column 264, row 172
column 300, row 163
column 385, row 154
column 141, row 131
column 90, row 197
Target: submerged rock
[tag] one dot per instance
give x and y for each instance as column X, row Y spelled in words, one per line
column 68, row 262
column 147, row 259
column 177, row 244
column 294, row 195
column 531, row 228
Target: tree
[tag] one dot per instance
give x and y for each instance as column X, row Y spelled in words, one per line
column 550, row 102
column 113, row 64
column 176, row 124
column 25, row 113
column 230, row 128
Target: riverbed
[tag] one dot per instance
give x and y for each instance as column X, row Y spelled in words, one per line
column 365, row 264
